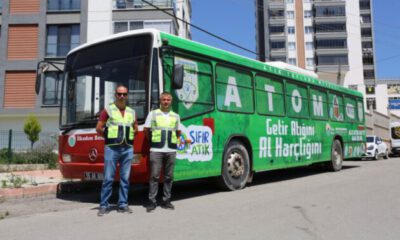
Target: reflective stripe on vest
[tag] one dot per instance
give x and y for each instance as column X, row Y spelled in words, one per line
column 119, row 129
column 163, row 129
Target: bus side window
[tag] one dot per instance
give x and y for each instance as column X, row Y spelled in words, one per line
column 336, row 107
column 297, row 100
column 234, row 90
column 350, row 109
column 360, row 111
column 196, row 95
column 318, row 104
column 269, row 95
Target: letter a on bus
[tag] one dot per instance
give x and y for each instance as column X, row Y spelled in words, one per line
column 232, row 93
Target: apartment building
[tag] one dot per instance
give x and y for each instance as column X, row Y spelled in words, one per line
column 36, row 30
column 333, row 38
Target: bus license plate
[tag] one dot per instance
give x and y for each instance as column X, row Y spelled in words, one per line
column 93, row 176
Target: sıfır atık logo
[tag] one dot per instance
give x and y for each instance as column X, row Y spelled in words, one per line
column 195, row 143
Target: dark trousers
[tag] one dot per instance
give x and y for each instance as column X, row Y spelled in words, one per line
column 158, row 160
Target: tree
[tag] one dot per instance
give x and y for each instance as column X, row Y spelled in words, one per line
column 32, row 128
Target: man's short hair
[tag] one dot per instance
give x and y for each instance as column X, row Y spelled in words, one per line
column 165, row 94
column 120, row 85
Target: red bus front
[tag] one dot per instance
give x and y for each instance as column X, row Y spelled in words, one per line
column 91, row 74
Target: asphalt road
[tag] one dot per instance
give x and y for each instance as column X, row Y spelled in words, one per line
column 360, row 202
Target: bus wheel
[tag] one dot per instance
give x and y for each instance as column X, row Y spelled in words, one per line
column 235, row 167
column 336, row 157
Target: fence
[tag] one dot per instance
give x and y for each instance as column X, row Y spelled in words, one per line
column 15, row 148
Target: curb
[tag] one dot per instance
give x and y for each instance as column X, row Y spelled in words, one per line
column 24, row 192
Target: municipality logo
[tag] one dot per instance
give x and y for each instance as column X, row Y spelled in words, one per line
column 72, row 141
column 189, row 92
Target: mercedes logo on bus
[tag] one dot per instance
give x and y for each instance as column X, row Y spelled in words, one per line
column 93, row 154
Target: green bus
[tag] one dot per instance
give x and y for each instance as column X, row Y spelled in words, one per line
column 239, row 116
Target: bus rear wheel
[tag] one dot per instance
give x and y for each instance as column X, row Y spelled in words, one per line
column 336, row 157
column 235, row 167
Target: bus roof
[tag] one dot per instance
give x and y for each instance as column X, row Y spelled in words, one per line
column 223, row 55
column 273, row 68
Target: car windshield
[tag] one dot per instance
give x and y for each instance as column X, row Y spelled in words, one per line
column 370, row 139
column 93, row 73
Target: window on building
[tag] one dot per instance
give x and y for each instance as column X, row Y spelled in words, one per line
column 330, row 11
column 366, row 32
column 165, row 26
column 371, row 103
column 277, row 29
column 310, row 62
column 278, row 58
column 332, row 60
column 307, row 14
column 292, row 61
column 368, row 59
column 309, row 45
column 331, row 43
column 276, row 13
column 366, row 44
column 370, row 89
column 369, row 74
column 122, row 4
column 290, row 14
column 308, row 29
column 365, row 18
column 278, row 45
column 291, row 45
column 365, row 4
column 289, row 1
column 63, row 5
column 61, row 39
column 291, row 30
column 52, row 88
column 330, row 27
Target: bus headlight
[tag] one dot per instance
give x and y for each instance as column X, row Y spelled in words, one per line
column 66, row 158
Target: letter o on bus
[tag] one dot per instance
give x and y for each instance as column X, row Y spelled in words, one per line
column 296, row 106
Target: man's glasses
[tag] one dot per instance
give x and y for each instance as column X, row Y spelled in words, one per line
column 122, row 94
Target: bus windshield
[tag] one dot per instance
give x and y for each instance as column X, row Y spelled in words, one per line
column 93, row 73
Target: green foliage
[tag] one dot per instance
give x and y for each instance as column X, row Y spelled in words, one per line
column 42, row 154
column 32, row 128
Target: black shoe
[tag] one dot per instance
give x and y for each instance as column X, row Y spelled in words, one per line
column 167, row 205
column 102, row 211
column 125, row 209
column 151, row 207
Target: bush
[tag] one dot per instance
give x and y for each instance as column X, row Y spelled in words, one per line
column 43, row 154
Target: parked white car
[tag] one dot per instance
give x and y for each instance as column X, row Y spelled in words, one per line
column 376, row 148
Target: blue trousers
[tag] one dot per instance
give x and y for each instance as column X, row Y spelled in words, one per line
column 113, row 155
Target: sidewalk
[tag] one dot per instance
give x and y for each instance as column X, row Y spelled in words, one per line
column 22, row 184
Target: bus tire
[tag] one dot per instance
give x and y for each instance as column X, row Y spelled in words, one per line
column 235, row 167
column 336, row 162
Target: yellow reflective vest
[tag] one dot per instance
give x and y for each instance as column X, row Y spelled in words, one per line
column 119, row 129
column 164, row 129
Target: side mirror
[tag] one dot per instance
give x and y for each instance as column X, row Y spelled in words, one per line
column 178, row 76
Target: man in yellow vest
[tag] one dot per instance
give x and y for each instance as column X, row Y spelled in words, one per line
column 117, row 124
column 164, row 126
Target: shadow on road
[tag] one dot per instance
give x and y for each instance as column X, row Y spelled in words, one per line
column 90, row 191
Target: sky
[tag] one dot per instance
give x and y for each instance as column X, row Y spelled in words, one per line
column 235, row 21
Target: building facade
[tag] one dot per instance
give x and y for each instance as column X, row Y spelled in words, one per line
column 334, row 38
column 384, row 96
column 36, row 30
